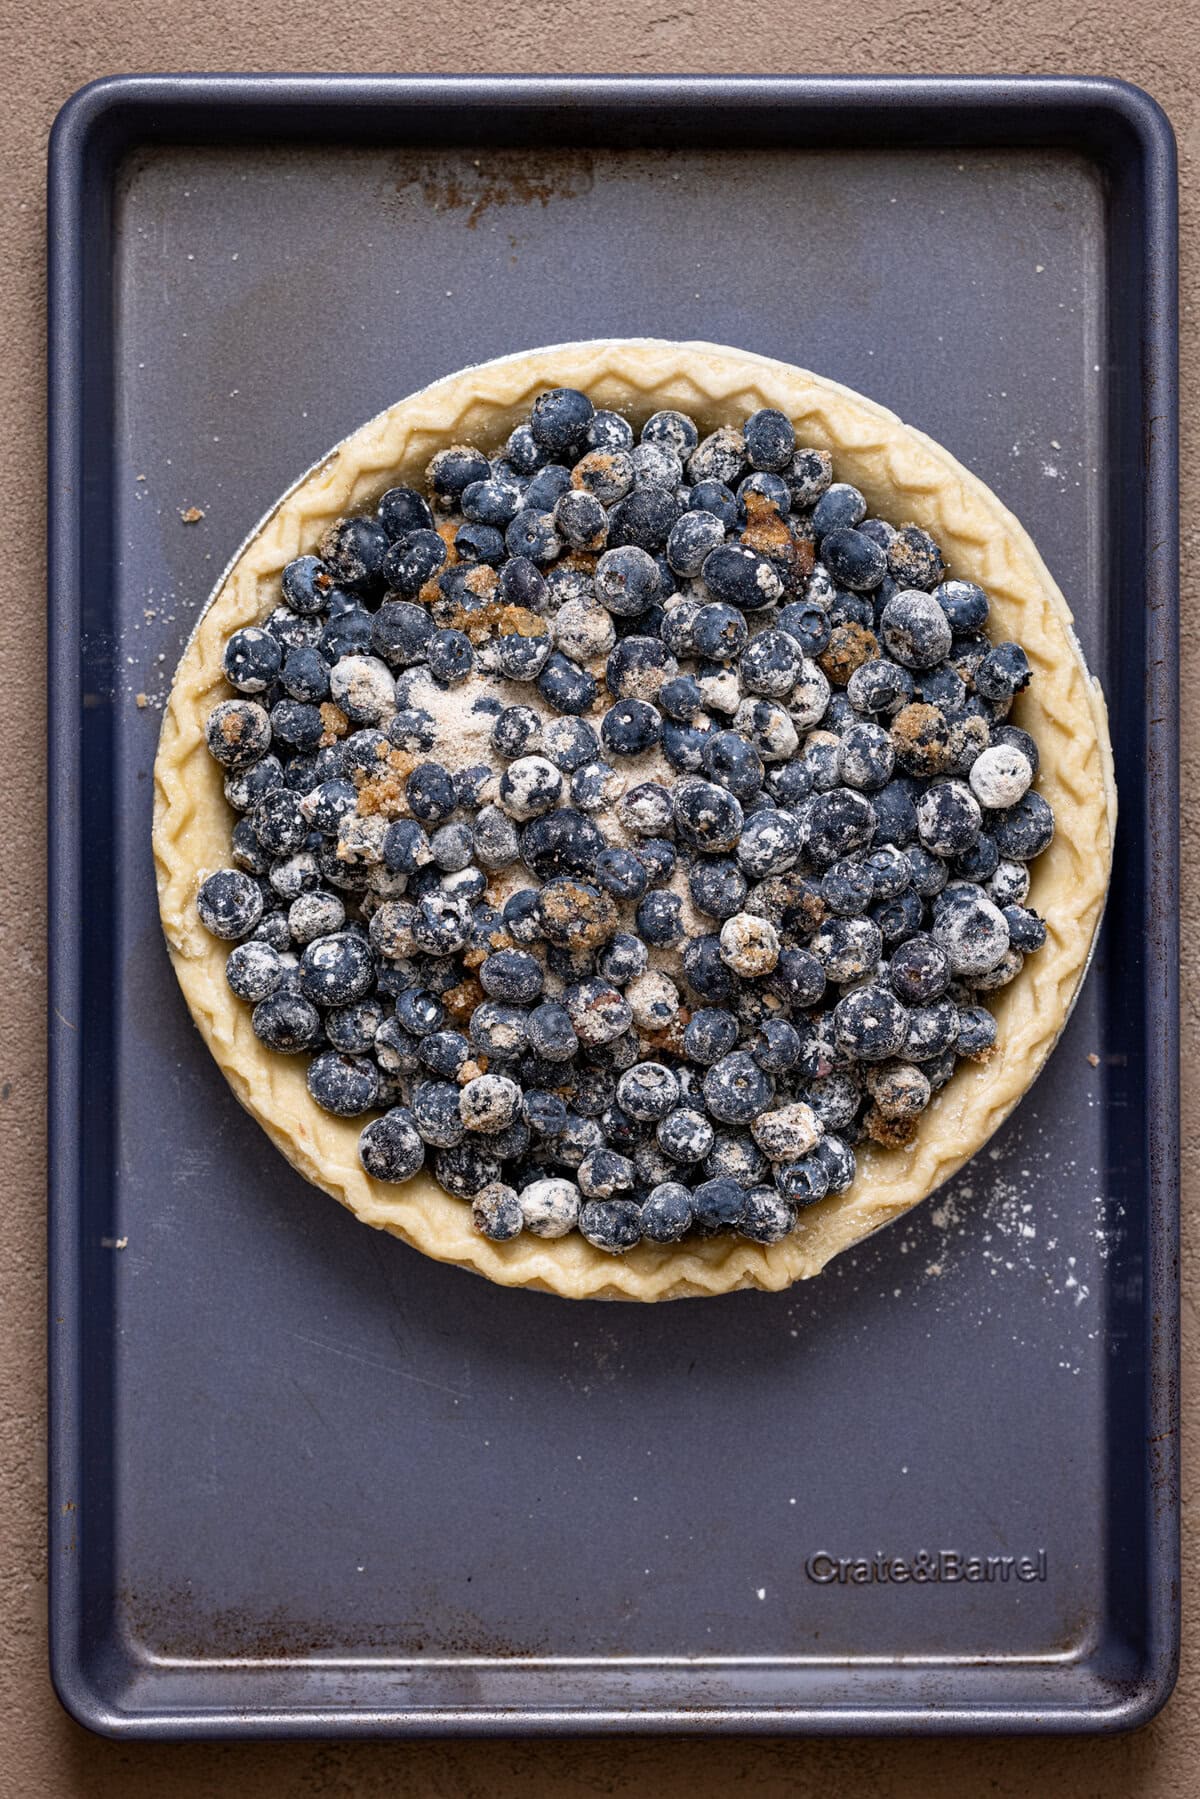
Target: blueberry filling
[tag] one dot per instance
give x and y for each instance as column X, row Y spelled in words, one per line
column 626, row 827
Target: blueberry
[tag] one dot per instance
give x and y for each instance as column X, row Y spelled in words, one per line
column 336, row 970
column 866, row 757
column 720, row 457
column 638, row 667
column 913, row 558
column 563, row 842
column 706, row 816
column 306, row 583
column 799, row 977
column 948, row 818
column 491, row 502
column 621, row 959
column 808, row 476
column 628, row 580
column 1026, row 930
column 770, row 842
column 705, row 972
column 230, row 904
column 657, row 857
column 620, row 873
column 879, row 687
column 581, row 520
column 839, row 508
column 674, row 430
column 965, row 605
column 559, row 421
column 313, row 915
column 719, row 632
column 690, row 539
column 853, row 560
column 595, row 786
column 839, row 822
column 1023, row 831
column 347, row 635
column 253, row 970
column 915, row 629
column 976, row 1032
column 512, row 975
column 717, row 887
column 899, row 918
column 762, row 494
column 449, row 655
column 344, row 1085
column 453, row 470
column 238, row 732
column 244, row 787
column 870, row 1024
column 803, row 1181
column 252, row 659
column 630, row 727
column 685, row 1135
column 660, row 919
column 666, row 1215
column 352, row 1029
column 772, row 663
column 405, row 846
column 770, row 439
column 478, row 543
column 452, row 847
column 565, row 686
column 680, row 698
column 568, row 743
column 717, row 1205
column 551, row 1033
column 286, row 1022
column 739, row 575
column 895, row 812
column 927, row 872
column 523, row 453
column 979, row 861
column 430, row 793
column 837, row 1160
column 847, row 948
column 496, row 1213
column 736, row 1089
column 683, row 745
column 972, row 931
column 531, row 535
column 613, row 1225
column 776, row 1046
column 809, row 625
column 279, row 822
column 419, row 1012
column 715, row 498
column 768, row 1217
column 1003, row 673
column 643, row 519
column 646, row 810
column 403, row 509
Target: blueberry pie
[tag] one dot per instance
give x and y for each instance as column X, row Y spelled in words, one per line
column 633, row 820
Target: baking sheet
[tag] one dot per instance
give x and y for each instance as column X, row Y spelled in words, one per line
column 306, row 1480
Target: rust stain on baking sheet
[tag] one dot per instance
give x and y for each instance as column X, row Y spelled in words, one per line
column 173, row 1625
column 503, row 178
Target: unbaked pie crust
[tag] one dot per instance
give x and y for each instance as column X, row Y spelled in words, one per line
column 904, row 475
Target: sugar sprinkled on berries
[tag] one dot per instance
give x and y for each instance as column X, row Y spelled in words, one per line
column 626, row 827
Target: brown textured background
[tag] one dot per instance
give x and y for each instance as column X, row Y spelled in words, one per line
column 49, row 51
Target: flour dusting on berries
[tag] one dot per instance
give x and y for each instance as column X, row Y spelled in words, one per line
column 626, row 827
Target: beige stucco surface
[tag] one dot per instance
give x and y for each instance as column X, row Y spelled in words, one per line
column 49, row 50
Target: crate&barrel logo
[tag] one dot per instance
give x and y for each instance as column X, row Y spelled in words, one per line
column 928, row 1567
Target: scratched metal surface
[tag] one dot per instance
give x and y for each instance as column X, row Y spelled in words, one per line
column 336, row 1475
